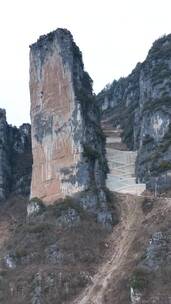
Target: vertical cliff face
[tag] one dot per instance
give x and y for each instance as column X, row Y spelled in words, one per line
column 141, row 105
column 15, row 158
column 68, row 147
column 4, row 159
column 20, row 154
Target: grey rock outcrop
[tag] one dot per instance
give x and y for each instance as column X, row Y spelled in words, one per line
column 4, row 159
column 156, row 252
column 141, row 105
column 20, row 158
column 35, row 207
column 15, row 158
column 154, row 264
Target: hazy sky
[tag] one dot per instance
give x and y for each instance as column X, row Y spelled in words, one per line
column 113, row 35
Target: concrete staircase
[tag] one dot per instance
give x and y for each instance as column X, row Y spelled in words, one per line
column 121, row 162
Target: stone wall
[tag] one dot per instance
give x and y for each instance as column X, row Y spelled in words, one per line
column 67, row 142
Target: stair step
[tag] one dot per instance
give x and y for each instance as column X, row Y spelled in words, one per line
column 120, row 177
column 121, row 163
column 113, row 140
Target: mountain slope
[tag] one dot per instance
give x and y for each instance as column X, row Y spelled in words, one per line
column 141, row 105
column 127, row 245
column 64, row 256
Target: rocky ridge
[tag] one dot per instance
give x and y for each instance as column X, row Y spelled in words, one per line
column 140, row 105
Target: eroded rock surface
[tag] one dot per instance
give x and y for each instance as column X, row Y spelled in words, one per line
column 141, row 105
column 68, row 147
column 15, row 158
column 4, row 161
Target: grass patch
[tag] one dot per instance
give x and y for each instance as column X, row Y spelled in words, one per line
column 147, row 205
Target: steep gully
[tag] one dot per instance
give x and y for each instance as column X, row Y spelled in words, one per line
column 120, row 179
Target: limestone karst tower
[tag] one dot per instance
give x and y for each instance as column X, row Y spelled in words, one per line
column 67, row 144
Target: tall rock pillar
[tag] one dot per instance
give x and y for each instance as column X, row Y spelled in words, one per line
column 67, row 143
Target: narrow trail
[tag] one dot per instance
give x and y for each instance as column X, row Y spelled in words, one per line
column 119, row 244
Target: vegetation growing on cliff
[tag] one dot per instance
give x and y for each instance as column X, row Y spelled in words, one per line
column 157, row 104
column 90, row 153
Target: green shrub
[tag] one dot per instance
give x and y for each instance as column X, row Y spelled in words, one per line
column 160, row 71
column 76, row 52
column 100, row 133
column 163, row 147
column 37, row 200
column 90, row 153
column 38, row 228
column 61, row 206
column 87, row 82
column 140, row 280
column 85, row 98
column 157, row 103
column 159, row 50
column 147, row 140
column 147, row 205
column 165, row 165
column 20, row 252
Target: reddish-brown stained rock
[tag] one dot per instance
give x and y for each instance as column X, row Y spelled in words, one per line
column 63, row 120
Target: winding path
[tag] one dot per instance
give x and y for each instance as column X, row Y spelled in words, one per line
column 119, row 244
